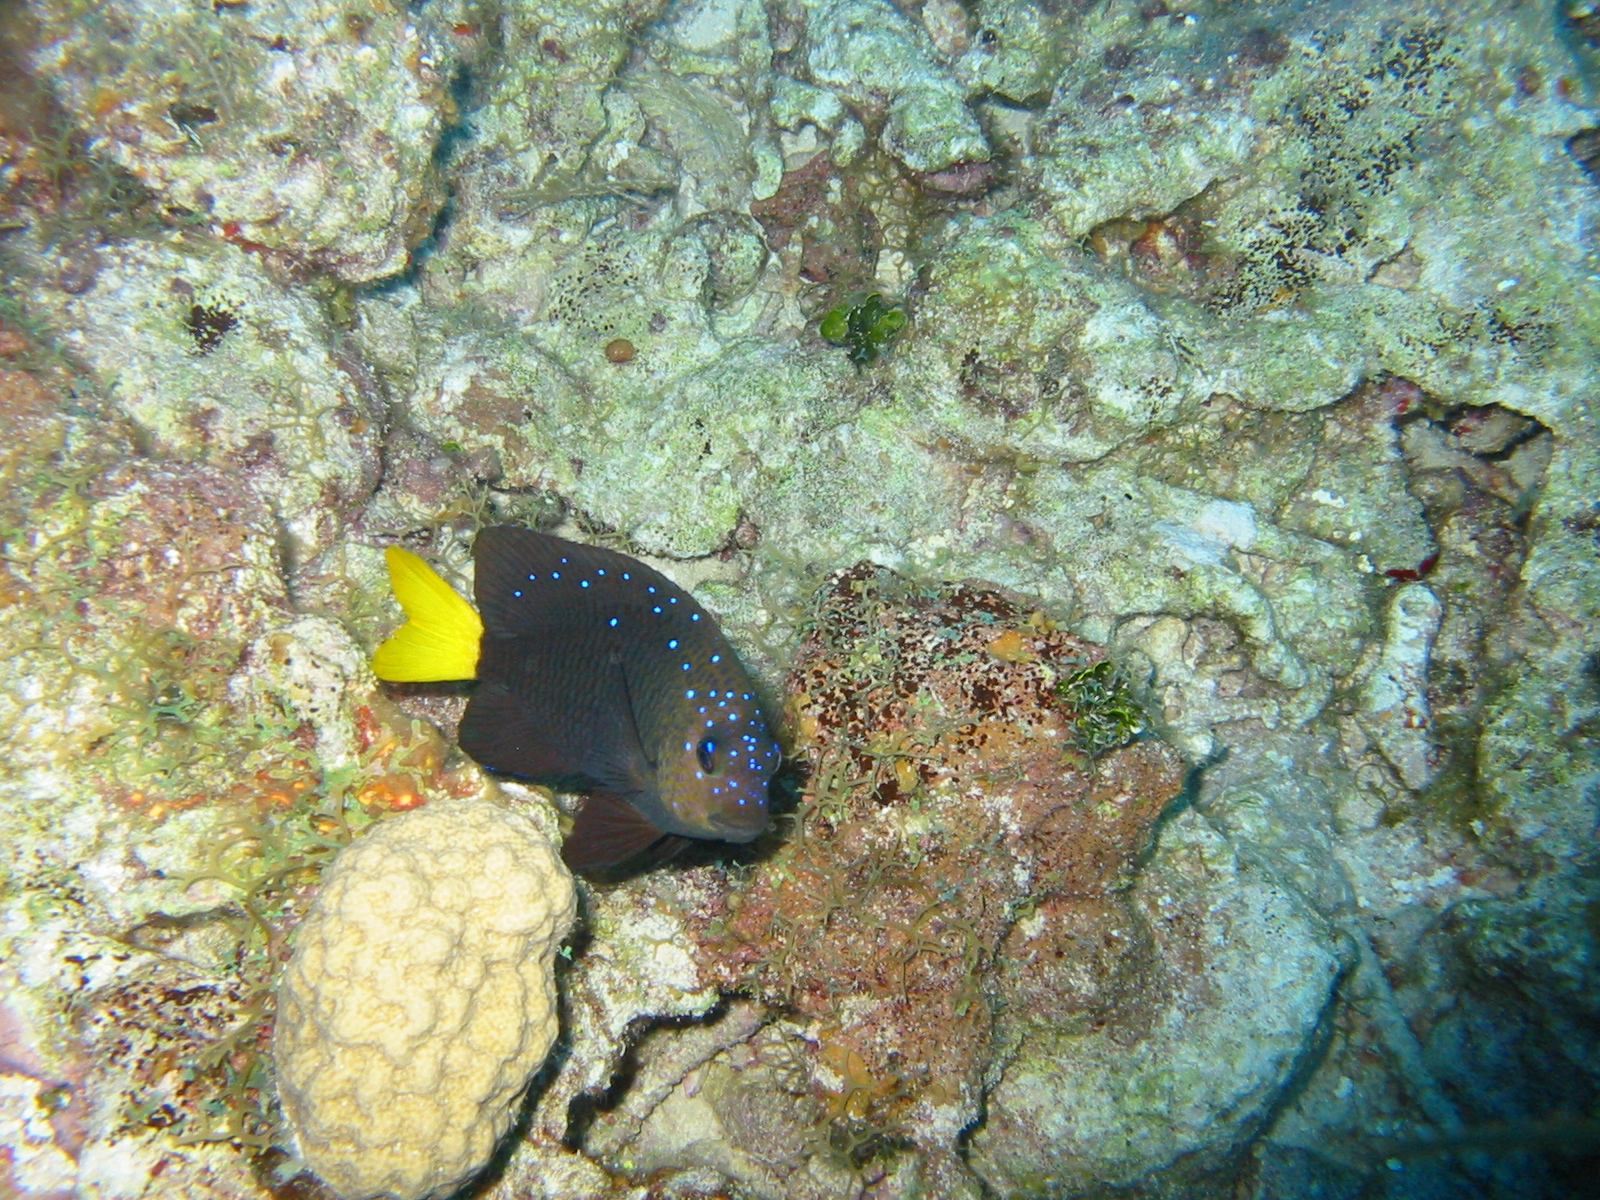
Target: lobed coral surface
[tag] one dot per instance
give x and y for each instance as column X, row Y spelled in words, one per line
column 421, row 998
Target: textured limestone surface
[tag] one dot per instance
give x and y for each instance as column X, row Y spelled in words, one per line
column 264, row 388
column 1079, row 1108
column 1250, row 345
column 421, row 998
column 301, row 130
column 871, row 54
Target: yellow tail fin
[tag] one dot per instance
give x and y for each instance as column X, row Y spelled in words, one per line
column 439, row 640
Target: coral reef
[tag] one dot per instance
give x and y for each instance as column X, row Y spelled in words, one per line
column 266, row 389
column 950, row 933
column 938, row 746
column 872, row 55
column 1186, row 628
column 1111, row 1075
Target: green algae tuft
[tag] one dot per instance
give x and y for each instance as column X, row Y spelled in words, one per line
column 867, row 328
column 1105, row 713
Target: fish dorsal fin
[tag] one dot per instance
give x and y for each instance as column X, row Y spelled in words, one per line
column 440, row 638
column 609, row 831
column 512, row 561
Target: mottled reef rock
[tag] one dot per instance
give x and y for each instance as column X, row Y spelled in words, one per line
column 960, row 937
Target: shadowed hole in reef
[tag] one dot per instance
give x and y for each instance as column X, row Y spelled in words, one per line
column 1584, row 146
column 586, row 1106
column 465, row 93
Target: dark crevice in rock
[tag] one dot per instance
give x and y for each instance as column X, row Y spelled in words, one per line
column 1584, row 146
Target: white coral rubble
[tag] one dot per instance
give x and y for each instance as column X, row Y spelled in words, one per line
column 421, row 998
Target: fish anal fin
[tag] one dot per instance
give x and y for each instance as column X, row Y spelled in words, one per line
column 607, row 832
column 501, row 730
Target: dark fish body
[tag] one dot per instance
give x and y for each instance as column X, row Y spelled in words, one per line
column 598, row 674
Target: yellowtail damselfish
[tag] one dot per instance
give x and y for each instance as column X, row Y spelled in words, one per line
column 595, row 674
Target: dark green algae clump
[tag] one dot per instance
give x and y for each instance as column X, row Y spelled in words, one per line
column 1106, row 714
column 866, row 328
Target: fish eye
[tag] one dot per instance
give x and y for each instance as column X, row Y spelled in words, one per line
column 706, row 751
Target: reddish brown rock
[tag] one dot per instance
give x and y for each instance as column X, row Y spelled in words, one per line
column 948, row 824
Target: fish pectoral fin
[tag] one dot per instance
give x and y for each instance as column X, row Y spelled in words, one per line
column 498, row 731
column 608, row 831
column 506, row 733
